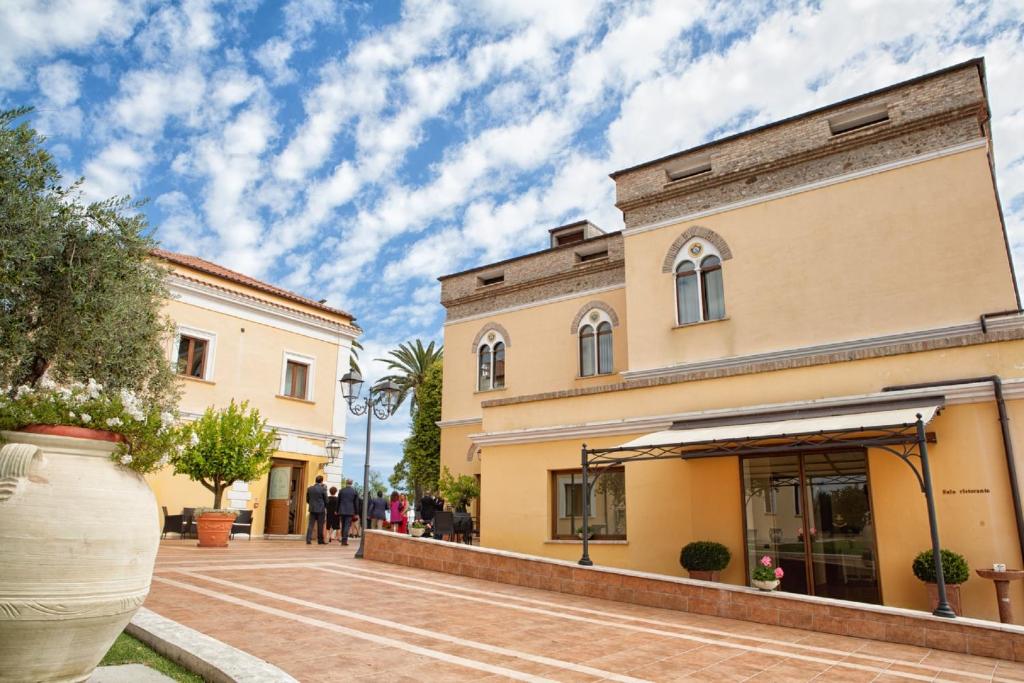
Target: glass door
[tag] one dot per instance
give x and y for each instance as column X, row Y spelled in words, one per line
column 842, row 537
column 812, row 515
column 774, row 507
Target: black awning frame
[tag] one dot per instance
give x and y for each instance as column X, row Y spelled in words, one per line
column 905, row 441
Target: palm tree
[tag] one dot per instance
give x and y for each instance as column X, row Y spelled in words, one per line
column 353, row 357
column 409, row 363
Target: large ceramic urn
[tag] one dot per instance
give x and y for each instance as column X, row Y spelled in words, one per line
column 78, row 537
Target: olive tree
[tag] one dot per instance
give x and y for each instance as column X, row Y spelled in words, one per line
column 80, row 297
column 224, row 446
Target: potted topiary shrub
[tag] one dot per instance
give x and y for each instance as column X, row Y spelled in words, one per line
column 704, row 560
column 954, row 570
column 87, row 406
column 224, row 446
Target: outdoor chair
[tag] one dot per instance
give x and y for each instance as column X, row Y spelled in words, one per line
column 172, row 523
column 444, row 524
column 242, row 524
column 188, row 521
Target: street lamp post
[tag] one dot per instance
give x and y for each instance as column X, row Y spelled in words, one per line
column 381, row 400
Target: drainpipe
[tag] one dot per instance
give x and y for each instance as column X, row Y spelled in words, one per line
column 1004, row 425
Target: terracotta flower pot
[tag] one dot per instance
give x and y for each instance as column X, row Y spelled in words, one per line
column 70, row 581
column 765, row 585
column 952, row 595
column 214, row 529
column 704, row 574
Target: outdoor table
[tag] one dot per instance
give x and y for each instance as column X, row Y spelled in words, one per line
column 1002, row 580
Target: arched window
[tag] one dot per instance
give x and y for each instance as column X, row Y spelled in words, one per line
column 483, row 381
column 588, row 364
column 595, row 344
column 604, row 348
column 490, row 361
column 499, row 366
column 700, row 292
column 686, row 293
column 713, row 296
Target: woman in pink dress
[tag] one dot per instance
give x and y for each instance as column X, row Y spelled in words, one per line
column 404, row 511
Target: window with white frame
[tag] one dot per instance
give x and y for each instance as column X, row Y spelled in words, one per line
column 700, row 293
column 491, row 362
column 193, row 353
column 595, row 344
column 297, row 373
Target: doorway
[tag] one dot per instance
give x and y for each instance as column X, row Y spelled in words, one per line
column 811, row 513
column 285, row 505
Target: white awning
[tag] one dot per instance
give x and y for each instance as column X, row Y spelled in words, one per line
column 793, row 426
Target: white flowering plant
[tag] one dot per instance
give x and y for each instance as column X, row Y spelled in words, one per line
column 150, row 433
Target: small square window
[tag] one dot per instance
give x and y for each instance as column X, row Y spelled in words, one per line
column 192, row 356
column 296, row 379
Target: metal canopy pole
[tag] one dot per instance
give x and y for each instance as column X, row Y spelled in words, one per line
column 943, row 609
column 585, row 560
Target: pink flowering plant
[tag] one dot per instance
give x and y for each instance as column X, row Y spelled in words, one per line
column 150, row 433
column 764, row 570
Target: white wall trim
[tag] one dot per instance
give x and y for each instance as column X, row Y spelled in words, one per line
column 459, row 422
column 240, row 306
column 303, row 359
column 542, row 302
column 1013, row 389
column 893, row 165
column 211, row 348
column 995, row 324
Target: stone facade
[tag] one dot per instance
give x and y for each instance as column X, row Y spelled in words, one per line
column 932, row 113
column 534, row 277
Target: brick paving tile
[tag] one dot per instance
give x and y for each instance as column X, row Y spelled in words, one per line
column 321, row 615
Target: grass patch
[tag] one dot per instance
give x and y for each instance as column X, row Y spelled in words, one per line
column 128, row 650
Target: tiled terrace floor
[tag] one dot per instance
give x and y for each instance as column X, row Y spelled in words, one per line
column 322, row 615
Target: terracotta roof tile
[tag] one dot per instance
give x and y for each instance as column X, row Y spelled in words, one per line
column 210, row 268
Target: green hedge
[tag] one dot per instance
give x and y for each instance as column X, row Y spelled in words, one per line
column 704, row 556
column 954, row 567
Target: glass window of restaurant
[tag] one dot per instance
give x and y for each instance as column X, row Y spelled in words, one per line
column 607, row 504
column 811, row 513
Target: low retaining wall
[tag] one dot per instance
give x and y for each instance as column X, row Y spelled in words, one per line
column 887, row 624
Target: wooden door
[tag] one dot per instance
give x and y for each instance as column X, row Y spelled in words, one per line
column 278, row 499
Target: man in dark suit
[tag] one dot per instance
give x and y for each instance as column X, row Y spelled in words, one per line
column 347, row 498
column 316, row 497
column 377, row 511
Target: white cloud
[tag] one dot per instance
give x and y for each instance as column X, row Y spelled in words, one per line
column 33, row 30
column 115, row 171
column 60, row 82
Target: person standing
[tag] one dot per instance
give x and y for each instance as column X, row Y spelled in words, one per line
column 346, row 508
column 394, row 511
column 403, row 527
column 356, row 529
column 333, row 520
column 377, row 511
column 427, row 508
column 316, row 498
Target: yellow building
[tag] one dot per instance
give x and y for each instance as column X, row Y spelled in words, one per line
column 796, row 277
column 238, row 338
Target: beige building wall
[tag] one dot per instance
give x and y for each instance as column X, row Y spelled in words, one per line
column 250, row 335
column 907, row 249
column 542, row 352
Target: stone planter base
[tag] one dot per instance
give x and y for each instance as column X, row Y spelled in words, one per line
column 703, row 574
column 214, row 529
column 764, row 585
column 416, row 532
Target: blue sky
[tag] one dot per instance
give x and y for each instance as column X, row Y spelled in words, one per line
column 356, row 151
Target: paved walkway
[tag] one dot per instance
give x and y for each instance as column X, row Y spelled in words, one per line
column 321, row 615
